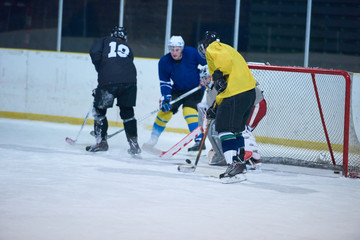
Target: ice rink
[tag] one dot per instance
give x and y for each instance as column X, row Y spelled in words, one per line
column 50, row 190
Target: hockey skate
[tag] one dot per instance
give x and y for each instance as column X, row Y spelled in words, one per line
column 101, row 146
column 134, row 149
column 237, row 167
column 196, row 146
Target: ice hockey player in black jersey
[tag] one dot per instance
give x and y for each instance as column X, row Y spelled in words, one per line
column 114, row 62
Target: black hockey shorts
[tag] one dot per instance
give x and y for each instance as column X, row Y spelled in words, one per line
column 233, row 113
column 125, row 93
column 190, row 101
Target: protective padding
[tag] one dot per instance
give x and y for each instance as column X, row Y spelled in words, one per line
column 230, row 145
column 126, row 112
column 162, row 118
column 100, row 124
column 191, row 118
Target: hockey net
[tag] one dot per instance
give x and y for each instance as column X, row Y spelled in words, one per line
column 308, row 118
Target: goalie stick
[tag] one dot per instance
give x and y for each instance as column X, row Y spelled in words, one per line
column 154, row 111
column 183, row 142
column 179, row 145
column 176, row 148
column 72, row 141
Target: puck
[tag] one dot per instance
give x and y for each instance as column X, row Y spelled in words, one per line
column 188, row 161
column 337, row 172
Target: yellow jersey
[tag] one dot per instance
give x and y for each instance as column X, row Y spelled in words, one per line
column 223, row 57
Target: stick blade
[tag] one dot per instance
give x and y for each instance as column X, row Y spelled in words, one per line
column 70, row 141
column 186, row 169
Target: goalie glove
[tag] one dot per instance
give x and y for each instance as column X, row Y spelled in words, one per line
column 220, row 83
column 165, row 103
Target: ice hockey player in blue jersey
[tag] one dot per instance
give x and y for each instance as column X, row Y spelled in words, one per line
column 178, row 73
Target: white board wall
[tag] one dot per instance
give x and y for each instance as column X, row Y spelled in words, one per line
column 60, row 84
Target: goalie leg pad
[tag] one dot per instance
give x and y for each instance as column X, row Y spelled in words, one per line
column 251, row 145
column 214, row 139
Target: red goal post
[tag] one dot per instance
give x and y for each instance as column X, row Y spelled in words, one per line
column 308, row 118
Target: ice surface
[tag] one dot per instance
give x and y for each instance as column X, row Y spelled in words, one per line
column 50, row 190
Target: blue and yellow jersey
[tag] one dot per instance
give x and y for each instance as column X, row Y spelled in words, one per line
column 184, row 74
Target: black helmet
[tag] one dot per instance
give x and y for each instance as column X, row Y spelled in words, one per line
column 119, row 32
column 207, row 39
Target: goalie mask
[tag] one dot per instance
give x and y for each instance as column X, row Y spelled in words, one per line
column 204, row 72
column 205, row 78
column 119, row 32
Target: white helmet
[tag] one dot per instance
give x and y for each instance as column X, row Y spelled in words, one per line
column 176, row 41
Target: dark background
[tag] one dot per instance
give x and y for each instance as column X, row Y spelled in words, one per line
column 270, row 31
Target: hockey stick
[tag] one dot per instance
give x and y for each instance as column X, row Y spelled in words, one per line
column 188, row 169
column 71, row 141
column 179, row 145
column 186, row 140
column 182, row 143
column 154, row 111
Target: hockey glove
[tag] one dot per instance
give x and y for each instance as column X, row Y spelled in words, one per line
column 220, row 83
column 165, row 103
column 211, row 112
